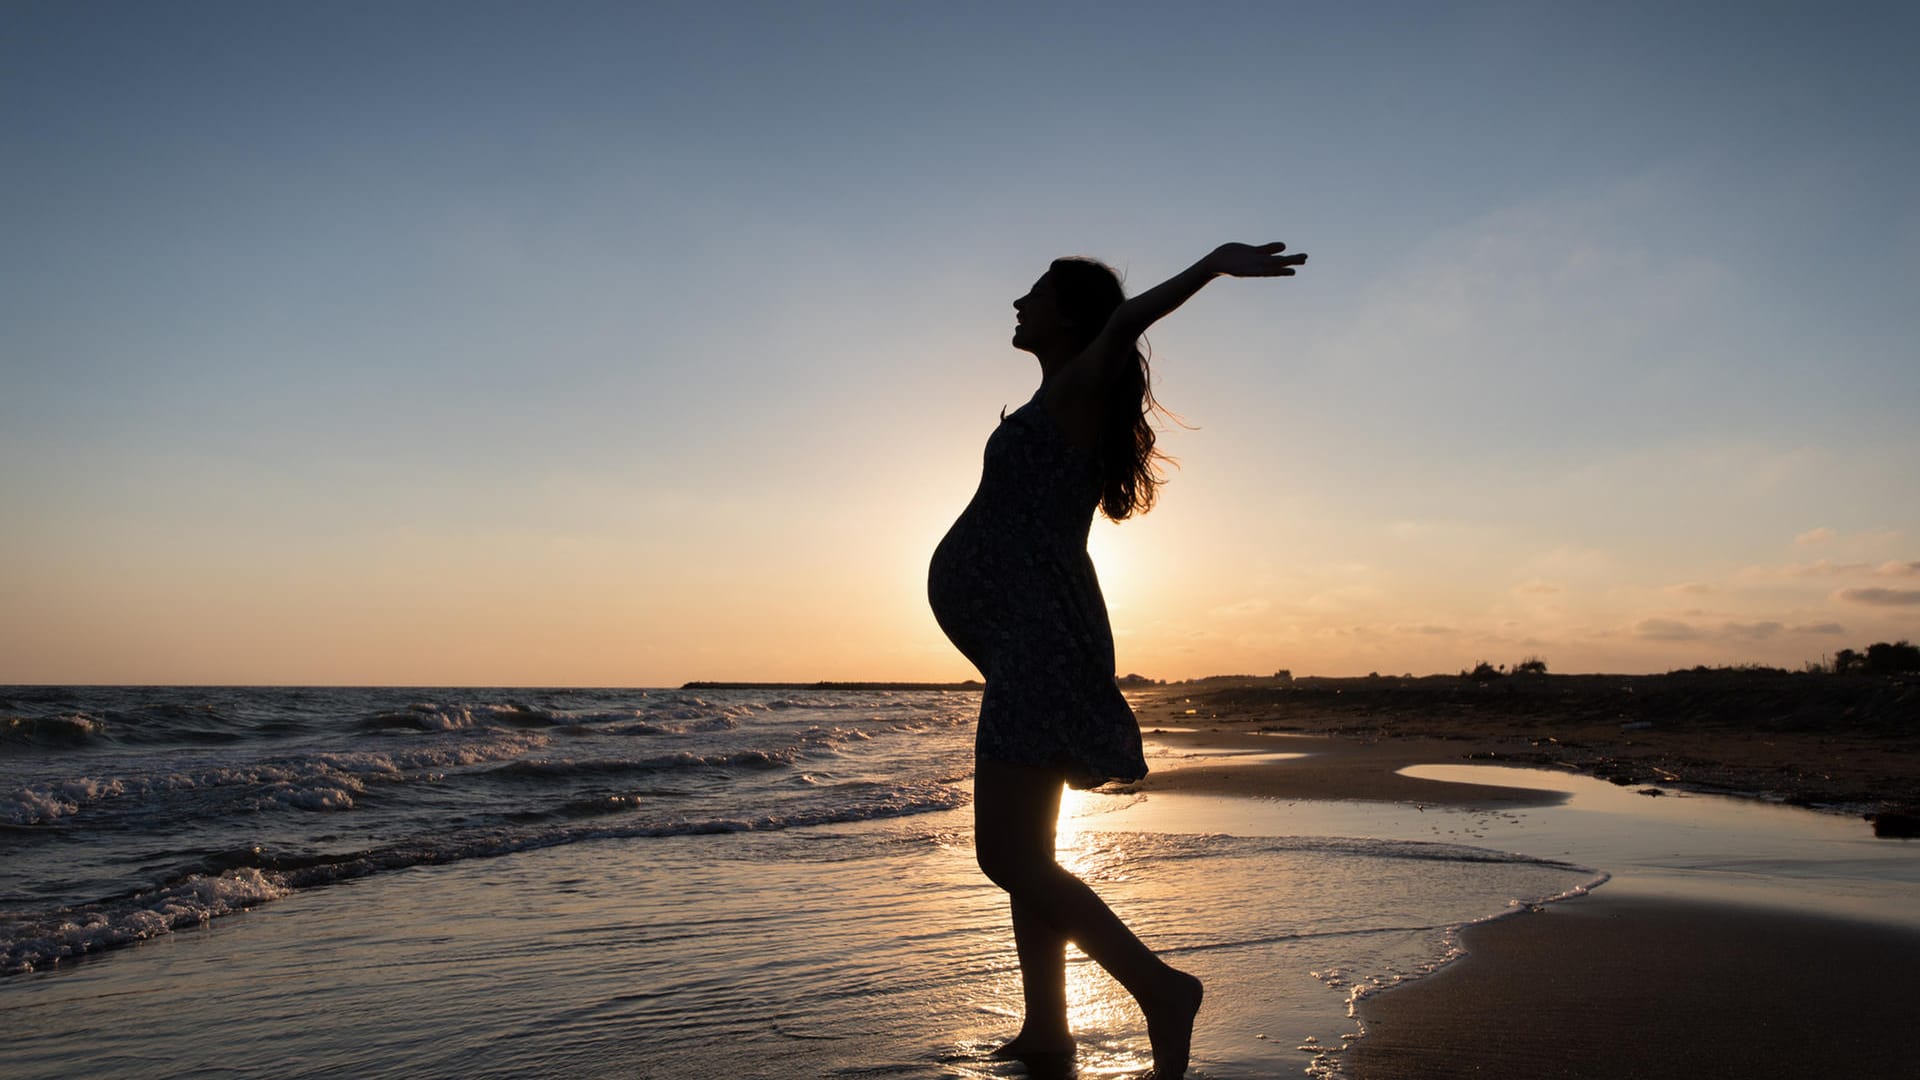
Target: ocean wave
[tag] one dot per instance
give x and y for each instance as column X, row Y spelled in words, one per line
column 818, row 703
column 166, row 723
column 683, row 707
column 147, row 725
column 698, row 726
column 26, row 944
column 327, row 781
column 238, row 880
column 475, row 751
column 665, row 715
column 444, row 716
column 629, row 722
column 599, row 806
column 550, row 768
column 638, row 727
column 44, row 802
column 65, row 731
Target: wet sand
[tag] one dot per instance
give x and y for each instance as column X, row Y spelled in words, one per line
column 1611, row 987
column 1626, row 982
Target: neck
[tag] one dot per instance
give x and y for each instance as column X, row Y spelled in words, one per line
column 1052, row 361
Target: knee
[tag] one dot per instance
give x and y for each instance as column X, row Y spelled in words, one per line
column 1009, row 866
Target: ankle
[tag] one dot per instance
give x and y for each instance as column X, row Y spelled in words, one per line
column 1048, row 1031
column 1172, row 987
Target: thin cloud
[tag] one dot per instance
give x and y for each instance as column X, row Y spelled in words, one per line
column 1819, row 628
column 1251, row 606
column 1665, row 630
column 1815, row 536
column 1881, row 597
column 1568, row 559
column 1753, row 631
column 1691, row 588
column 1797, row 571
column 1897, row 568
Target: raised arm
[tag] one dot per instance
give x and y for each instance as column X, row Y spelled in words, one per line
column 1132, row 318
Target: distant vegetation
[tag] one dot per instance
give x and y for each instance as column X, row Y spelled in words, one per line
column 1532, row 665
column 709, row 684
column 1881, row 658
column 1739, row 669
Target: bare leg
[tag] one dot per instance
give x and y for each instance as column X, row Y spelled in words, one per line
column 1015, row 811
column 1043, row 984
column 1043, row 958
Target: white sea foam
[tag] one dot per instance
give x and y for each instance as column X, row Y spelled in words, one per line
column 337, row 795
column 41, row 803
column 30, row 943
column 323, row 781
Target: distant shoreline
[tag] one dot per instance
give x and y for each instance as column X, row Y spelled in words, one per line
column 970, row 684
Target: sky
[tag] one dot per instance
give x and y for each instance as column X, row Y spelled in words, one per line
column 614, row 344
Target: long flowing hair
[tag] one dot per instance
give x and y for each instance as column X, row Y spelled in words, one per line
column 1088, row 292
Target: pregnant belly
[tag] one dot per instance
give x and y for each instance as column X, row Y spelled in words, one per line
column 972, row 591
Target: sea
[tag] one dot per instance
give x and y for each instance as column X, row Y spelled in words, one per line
column 432, row 882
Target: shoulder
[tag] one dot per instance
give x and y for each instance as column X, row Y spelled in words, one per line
column 1076, row 396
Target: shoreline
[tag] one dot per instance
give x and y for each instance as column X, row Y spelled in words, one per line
column 1628, row 980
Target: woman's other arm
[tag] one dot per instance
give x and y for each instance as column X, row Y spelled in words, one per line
column 1132, row 318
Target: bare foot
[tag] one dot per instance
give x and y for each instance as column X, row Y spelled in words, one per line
column 1170, row 1025
column 1029, row 1044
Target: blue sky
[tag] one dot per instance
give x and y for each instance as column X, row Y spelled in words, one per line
column 629, row 344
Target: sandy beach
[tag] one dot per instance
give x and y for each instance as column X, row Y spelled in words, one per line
column 1655, row 973
column 1637, row 987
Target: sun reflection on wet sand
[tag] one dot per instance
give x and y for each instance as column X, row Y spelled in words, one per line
column 1095, row 1002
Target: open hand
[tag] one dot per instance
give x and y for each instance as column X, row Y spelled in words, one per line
column 1253, row 260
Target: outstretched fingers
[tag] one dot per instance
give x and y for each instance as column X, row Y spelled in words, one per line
column 1256, row 260
column 1281, row 265
column 1276, row 267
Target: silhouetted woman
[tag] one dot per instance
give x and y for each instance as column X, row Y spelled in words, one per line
column 1013, row 588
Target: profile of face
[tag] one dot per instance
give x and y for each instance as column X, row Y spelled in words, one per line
column 1037, row 323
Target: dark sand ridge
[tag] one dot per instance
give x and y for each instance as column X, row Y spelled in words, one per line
column 1806, row 739
column 1603, row 987
column 1336, row 768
